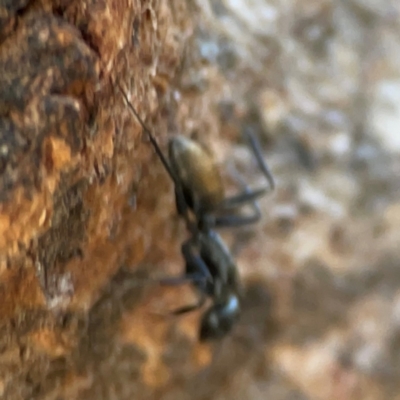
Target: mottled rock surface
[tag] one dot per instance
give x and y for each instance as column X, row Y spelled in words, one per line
column 87, row 214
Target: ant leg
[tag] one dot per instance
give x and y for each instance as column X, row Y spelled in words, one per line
column 238, row 220
column 182, row 280
column 200, row 275
column 242, row 198
column 194, row 262
column 199, row 272
column 250, row 195
column 233, row 220
column 192, row 307
column 182, row 207
column 255, row 146
column 247, row 196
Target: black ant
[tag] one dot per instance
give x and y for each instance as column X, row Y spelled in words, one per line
column 199, row 193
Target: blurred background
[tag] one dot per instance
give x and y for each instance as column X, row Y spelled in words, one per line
column 319, row 80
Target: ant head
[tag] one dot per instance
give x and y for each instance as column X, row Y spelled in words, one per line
column 219, row 319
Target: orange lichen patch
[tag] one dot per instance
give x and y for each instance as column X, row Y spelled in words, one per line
column 136, row 248
column 48, row 341
column 57, row 153
column 102, row 204
column 93, row 272
column 101, row 147
column 98, row 229
column 117, row 233
column 26, row 218
column 4, row 224
column 23, row 220
column 11, row 356
column 188, row 323
column 107, row 144
column 202, row 355
column 109, row 232
column 73, row 385
column 23, row 291
column 161, row 83
column 108, row 25
column 148, row 331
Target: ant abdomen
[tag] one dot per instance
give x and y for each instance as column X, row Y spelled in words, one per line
column 220, row 318
column 197, row 172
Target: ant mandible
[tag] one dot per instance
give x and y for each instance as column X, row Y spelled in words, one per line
column 199, row 191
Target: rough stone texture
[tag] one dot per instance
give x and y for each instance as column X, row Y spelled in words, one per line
column 72, row 210
column 87, row 216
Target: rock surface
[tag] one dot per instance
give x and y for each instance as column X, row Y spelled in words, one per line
column 88, row 220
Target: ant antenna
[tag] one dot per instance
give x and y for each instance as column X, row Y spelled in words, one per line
column 256, row 148
column 190, row 225
column 149, row 134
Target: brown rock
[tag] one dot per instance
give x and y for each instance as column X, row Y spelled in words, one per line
column 87, row 214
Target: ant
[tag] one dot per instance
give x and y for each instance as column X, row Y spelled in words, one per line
column 199, row 195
